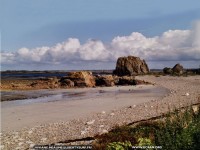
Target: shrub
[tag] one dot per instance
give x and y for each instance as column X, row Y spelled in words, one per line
column 119, row 146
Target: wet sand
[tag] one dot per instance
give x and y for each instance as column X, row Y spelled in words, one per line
column 65, row 105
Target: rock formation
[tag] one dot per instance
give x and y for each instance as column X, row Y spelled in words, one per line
column 105, row 80
column 178, row 69
column 128, row 66
column 65, row 82
column 82, row 78
column 126, row 80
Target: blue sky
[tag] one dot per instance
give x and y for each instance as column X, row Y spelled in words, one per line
column 38, row 23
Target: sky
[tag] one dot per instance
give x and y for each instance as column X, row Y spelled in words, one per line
column 89, row 34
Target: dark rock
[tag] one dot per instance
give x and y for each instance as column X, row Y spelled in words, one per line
column 178, row 69
column 126, row 80
column 167, row 70
column 105, row 80
column 128, row 66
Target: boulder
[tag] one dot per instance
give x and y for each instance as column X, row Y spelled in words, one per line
column 65, row 82
column 105, row 80
column 167, row 70
column 178, row 69
column 82, row 78
column 128, row 66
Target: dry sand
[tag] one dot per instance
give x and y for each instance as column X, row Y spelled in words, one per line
column 117, row 112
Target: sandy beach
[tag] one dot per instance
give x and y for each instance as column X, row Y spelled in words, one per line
column 50, row 122
column 87, row 101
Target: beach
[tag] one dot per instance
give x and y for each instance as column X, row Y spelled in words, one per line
column 51, row 122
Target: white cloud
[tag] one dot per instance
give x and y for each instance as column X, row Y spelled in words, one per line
column 180, row 45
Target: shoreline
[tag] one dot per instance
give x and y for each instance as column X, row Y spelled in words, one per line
column 102, row 122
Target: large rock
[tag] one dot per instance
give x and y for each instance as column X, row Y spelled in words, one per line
column 105, row 80
column 178, row 69
column 82, row 79
column 128, row 66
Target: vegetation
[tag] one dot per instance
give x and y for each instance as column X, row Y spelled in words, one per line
column 178, row 130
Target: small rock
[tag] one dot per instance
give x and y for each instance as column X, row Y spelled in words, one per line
column 83, row 132
column 112, row 114
column 1, row 146
column 195, row 109
column 151, row 106
column 29, row 142
column 187, row 94
column 90, row 122
column 20, row 143
column 21, row 139
column 43, row 139
column 101, row 126
column 32, row 145
column 104, row 131
column 103, row 112
column 30, row 132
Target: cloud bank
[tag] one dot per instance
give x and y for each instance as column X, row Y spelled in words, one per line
column 172, row 45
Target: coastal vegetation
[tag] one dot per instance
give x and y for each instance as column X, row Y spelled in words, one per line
column 177, row 130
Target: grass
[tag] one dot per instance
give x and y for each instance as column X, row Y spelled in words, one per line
column 178, row 130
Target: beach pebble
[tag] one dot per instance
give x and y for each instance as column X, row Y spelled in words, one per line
column 90, row 122
column 15, row 137
column 43, row 139
column 1, row 146
column 83, row 132
column 101, row 126
column 112, row 114
column 104, row 131
column 103, row 112
column 21, row 139
column 195, row 109
column 32, row 145
column 29, row 142
column 187, row 94
column 18, row 148
column 20, row 143
column 30, row 132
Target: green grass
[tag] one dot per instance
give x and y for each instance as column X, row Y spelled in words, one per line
column 177, row 131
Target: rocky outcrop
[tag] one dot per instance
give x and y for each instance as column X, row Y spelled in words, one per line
column 126, row 80
column 105, row 80
column 128, row 66
column 178, row 69
column 53, row 82
column 82, row 79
